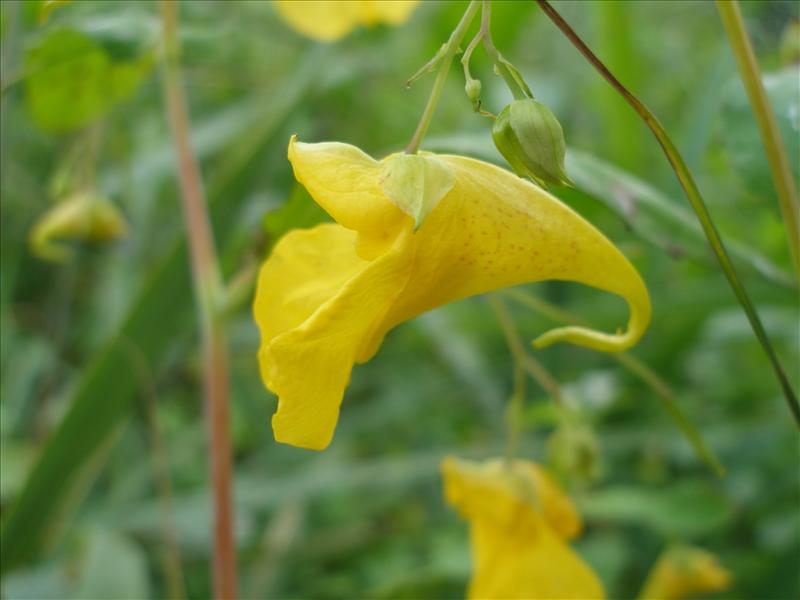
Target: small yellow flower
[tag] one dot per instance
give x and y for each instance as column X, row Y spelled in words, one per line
column 327, row 296
column 330, row 20
column 519, row 523
column 683, row 572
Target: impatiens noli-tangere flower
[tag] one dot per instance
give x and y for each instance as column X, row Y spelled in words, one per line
column 520, row 524
column 412, row 232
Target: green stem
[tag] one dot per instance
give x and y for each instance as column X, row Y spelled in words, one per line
column 660, row 387
column 695, row 200
column 441, row 76
column 523, row 363
column 519, row 89
column 208, row 293
column 765, row 117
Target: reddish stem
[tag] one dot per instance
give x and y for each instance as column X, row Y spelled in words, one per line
column 207, row 285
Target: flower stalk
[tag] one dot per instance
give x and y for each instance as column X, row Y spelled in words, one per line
column 731, row 17
column 450, row 50
column 208, row 290
column 695, row 199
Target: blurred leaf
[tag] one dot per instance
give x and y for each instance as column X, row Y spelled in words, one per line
column 298, row 212
column 103, row 397
column 688, row 509
column 71, row 81
column 48, row 6
column 112, row 567
column 46, row 580
column 740, row 132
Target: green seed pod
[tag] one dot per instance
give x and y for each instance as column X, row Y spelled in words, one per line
column 530, row 138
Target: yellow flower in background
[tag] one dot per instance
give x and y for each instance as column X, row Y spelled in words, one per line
column 327, row 296
column 683, row 572
column 520, row 521
column 84, row 216
column 330, row 20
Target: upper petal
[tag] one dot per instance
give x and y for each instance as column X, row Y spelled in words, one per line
column 346, row 182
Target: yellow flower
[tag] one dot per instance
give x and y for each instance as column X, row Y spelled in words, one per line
column 327, row 296
column 330, row 20
column 519, row 523
column 84, row 216
column 683, row 572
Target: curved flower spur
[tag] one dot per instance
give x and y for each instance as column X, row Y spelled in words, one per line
column 412, row 232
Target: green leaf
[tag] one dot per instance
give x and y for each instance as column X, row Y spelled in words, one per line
column 298, row 212
column 689, row 509
column 112, row 567
column 740, row 132
column 48, row 6
column 71, row 81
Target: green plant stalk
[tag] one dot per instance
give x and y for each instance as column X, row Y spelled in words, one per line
column 451, row 48
column 660, row 387
column 695, row 200
column 518, row 88
column 523, row 363
column 731, row 17
column 208, row 293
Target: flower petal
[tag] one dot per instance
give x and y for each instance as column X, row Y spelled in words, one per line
column 517, row 516
column 684, row 572
column 346, row 182
column 495, row 230
column 393, row 12
column 499, row 490
column 321, row 20
column 317, row 304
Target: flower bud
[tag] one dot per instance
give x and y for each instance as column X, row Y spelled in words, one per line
column 84, row 216
column 530, row 138
column 473, row 90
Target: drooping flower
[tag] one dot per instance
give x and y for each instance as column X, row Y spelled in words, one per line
column 327, row 296
column 684, row 572
column 330, row 20
column 520, row 524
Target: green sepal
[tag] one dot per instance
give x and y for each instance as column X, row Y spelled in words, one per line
column 416, row 184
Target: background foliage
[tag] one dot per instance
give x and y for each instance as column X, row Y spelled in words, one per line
column 99, row 356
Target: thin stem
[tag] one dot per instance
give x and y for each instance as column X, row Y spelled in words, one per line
column 505, row 69
column 732, row 20
column 695, row 200
column 441, row 76
column 660, row 387
column 532, row 366
column 523, row 363
column 208, row 291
